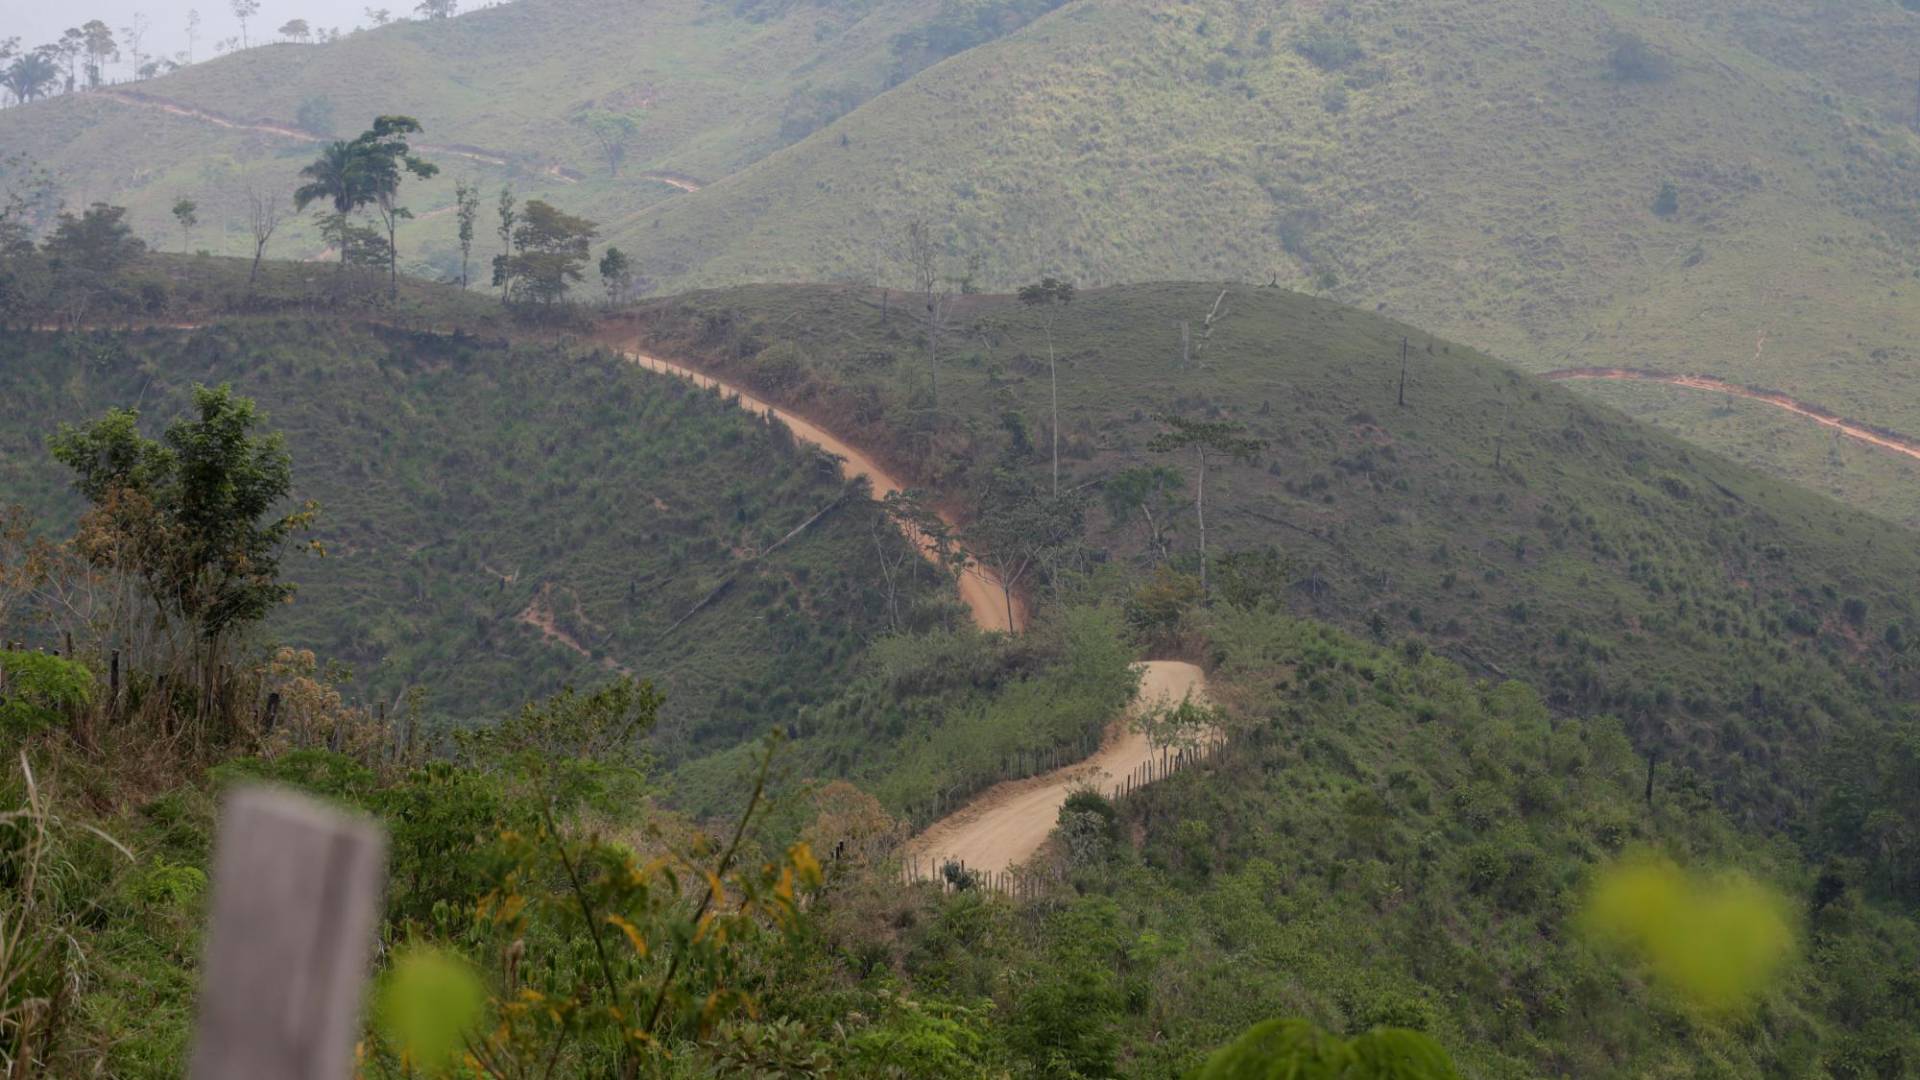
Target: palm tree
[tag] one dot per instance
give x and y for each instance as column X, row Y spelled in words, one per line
column 29, row 75
column 337, row 176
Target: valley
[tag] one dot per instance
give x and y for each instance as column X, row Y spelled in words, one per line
column 960, row 539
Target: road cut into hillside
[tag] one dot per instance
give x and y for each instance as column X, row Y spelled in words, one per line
column 991, row 607
column 1008, row 822
column 1880, row 437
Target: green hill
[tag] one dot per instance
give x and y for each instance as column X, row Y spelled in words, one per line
column 502, row 519
column 504, row 94
column 1479, row 170
column 1487, row 172
column 1617, row 568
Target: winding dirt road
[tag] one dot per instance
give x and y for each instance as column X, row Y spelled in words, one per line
column 283, row 131
column 1007, row 823
column 991, row 607
column 1854, row 429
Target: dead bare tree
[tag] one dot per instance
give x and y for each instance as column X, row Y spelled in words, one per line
column 264, row 214
column 923, row 259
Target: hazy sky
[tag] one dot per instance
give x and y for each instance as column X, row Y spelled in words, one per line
column 40, row 21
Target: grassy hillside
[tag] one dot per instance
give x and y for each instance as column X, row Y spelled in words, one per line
column 502, row 92
column 1390, row 842
column 1619, row 569
column 1479, row 170
column 472, row 491
column 1485, row 171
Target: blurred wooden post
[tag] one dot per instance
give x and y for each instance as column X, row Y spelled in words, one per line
column 297, row 889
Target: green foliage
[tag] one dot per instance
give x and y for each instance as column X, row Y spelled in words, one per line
column 1666, row 202
column 550, row 250
column 97, row 241
column 472, row 487
column 37, row 690
column 1666, row 611
column 1633, row 60
column 189, row 514
column 1297, row 1050
column 1330, row 48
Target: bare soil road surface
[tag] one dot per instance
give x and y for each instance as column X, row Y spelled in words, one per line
column 990, row 606
column 1854, row 429
column 1006, row 825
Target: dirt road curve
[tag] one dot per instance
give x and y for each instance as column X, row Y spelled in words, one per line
column 486, row 157
column 1009, row 821
column 989, row 605
column 1866, row 433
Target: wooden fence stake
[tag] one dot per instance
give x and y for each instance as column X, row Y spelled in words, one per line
column 296, row 894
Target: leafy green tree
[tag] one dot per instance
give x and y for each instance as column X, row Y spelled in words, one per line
column 296, row 30
column 1146, row 492
column 367, row 171
column 1210, row 441
column 1018, row 528
column 97, row 40
column 98, row 241
column 614, row 131
column 1048, row 296
column 1666, row 202
column 29, row 76
column 616, row 273
column 186, row 212
column 387, row 161
column 1297, row 1050
column 466, row 212
column 437, row 9
column 194, row 517
column 550, row 249
column 334, row 178
column 508, row 215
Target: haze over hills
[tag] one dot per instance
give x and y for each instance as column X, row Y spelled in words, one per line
column 1358, row 149
column 973, row 539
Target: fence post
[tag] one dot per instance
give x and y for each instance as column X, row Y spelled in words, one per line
column 296, row 895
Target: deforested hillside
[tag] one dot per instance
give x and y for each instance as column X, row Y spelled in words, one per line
column 1720, row 188
column 1501, row 520
column 497, row 520
column 606, row 106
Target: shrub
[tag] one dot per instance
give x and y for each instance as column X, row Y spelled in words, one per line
column 1633, row 60
column 1327, row 48
column 1666, row 202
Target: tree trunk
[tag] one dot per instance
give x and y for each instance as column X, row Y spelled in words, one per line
column 1200, row 512
column 1053, row 377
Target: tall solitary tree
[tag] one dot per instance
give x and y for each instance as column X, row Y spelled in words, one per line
column 244, row 10
column 506, row 208
column 389, row 160
column 1210, row 441
column 193, row 31
column 263, row 217
column 616, row 273
column 1049, row 296
column 97, row 39
column 335, row 177
column 923, row 259
column 466, row 212
column 186, row 212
